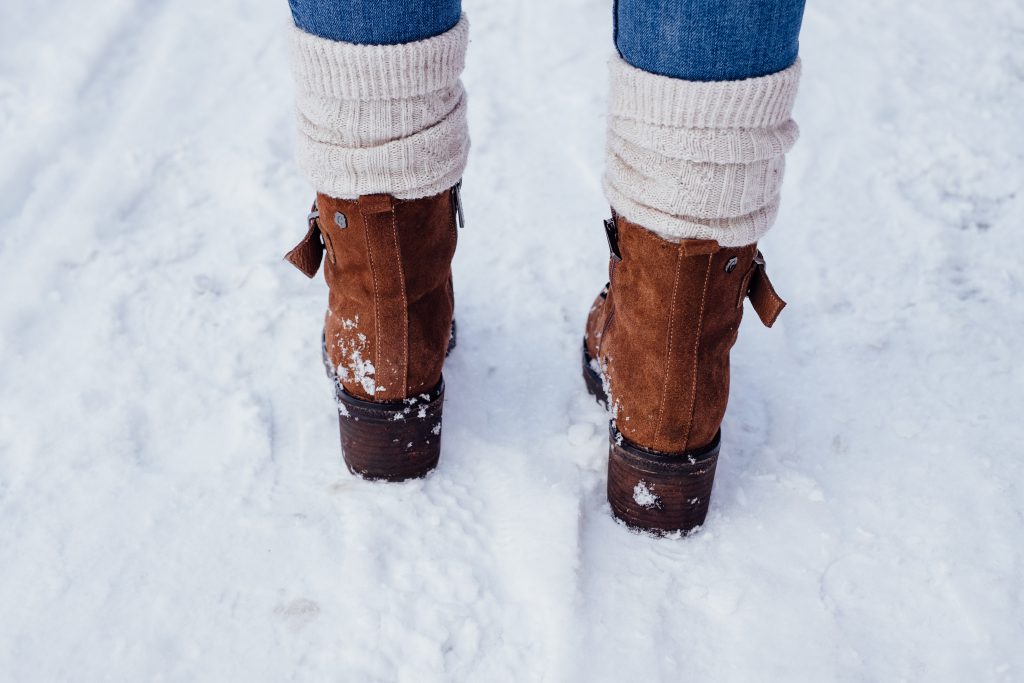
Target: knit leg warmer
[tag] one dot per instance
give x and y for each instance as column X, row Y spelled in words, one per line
column 387, row 119
column 700, row 160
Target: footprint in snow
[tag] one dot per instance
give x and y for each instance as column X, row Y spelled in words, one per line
column 298, row 613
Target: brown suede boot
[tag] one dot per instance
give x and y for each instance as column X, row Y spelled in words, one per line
column 389, row 323
column 656, row 353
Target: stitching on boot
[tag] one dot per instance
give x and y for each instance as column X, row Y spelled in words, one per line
column 376, row 297
column 405, row 302
column 668, row 350
column 696, row 352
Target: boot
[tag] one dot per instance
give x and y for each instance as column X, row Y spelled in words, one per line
column 389, row 323
column 656, row 353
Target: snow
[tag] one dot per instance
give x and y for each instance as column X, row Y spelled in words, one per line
column 172, row 498
column 644, row 496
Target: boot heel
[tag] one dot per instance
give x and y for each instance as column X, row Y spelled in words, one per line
column 660, row 493
column 391, row 441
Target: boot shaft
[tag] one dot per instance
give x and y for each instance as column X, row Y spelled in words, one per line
column 663, row 332
column 387, row 263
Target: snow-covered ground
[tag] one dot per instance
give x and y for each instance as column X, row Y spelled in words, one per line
column 173, row 504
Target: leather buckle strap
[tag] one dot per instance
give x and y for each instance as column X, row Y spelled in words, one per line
column 309, row 253
column 766, row 301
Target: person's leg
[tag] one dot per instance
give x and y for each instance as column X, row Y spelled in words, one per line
column 699, row 123
column 377, row 113
column 699, row 114
column 708, row 40
column 383, row 138
column 375, row 22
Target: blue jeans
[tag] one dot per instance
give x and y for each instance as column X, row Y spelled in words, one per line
column 698, row 40
column 708, row 40
column 376, row 22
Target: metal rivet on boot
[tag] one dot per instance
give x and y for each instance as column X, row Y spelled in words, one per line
column 340, row 220
column 731, row 264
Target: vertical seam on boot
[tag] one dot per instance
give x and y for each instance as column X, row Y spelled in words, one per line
column 604, row 361
column 405, row 303
column 696, row 352
column 668, row 349
column 609, row 304
column 603, row 332
column 376, row 299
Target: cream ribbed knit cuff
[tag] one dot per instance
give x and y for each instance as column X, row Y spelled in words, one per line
column 381, row 118
column 700, row 160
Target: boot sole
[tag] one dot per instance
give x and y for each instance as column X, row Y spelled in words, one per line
column 389, row 441
column 658, row 493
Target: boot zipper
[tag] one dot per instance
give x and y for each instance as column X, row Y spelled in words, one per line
column 611, row 231
column 460, row 218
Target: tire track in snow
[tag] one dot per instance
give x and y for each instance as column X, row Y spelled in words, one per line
column 510, row 303
column 82, row 110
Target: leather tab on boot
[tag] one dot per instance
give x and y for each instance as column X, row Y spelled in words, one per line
column 763, row 297
column 307, row 254
column 375, row 203
column 699, row 247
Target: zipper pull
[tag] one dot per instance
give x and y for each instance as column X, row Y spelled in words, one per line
column 460, row 218
column 611, row 231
